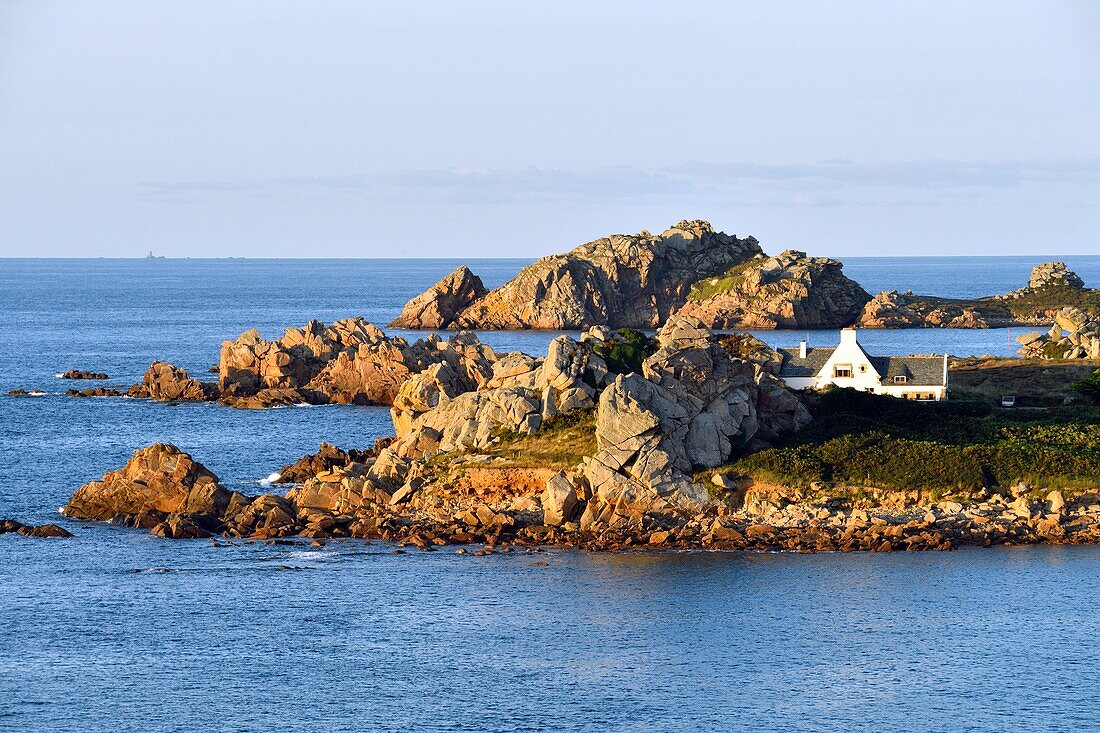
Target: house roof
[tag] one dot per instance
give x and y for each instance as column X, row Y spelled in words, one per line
column 919, row 370
column 796, row 366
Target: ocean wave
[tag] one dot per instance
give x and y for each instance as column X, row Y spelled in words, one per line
column 271, row 478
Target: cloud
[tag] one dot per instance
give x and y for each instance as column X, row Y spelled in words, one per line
column 824, row 184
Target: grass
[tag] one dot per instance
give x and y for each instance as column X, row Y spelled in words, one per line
column 858, row 439
column 560, row 444
column 1053, row 297
column 712, row 286
column 1035, row 382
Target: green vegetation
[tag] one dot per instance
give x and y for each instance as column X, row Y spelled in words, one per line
column 711, row 286
column 866, row 440
column 626, row 354
column 1052, row 298
column 1089, row 386
column 561, row 443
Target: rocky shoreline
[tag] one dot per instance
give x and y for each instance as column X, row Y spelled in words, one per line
column 526, row 509
column 606, row 443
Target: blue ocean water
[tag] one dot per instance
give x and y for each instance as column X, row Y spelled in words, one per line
column 118, row 630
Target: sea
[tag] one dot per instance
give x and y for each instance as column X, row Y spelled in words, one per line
column 116, row 630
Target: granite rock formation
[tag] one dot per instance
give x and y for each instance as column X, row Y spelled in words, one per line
column 623, row 280
column 1053, row 274
column 789, row 290
column 438, row 306
column 1073, row 335
column 167, row 383
column 81, row 374
column 157, row 481
column 349, row 362
column 1051, row 287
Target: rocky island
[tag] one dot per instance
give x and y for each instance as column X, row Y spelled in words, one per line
column 639, row 280
column 616, row 441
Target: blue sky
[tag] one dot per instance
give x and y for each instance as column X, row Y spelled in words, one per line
column 481, row 129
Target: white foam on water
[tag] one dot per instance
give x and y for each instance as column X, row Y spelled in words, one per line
column 271, row 478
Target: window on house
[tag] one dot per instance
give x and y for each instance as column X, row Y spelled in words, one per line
column 900, row 379
column 842, row 371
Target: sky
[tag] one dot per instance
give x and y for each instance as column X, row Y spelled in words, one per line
column 517, row 129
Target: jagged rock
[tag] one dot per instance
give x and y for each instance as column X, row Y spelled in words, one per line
column 179, row 527
column 94, row 392
column 1054, row 274
column 326, row 458
column 81, row 374
column 559, row 500
column 167, row 383
column 890, row 309
column 1073, row 335
column 622, row 280
column 692, row 403
column 28, row 530
column 438, row 306
column 159, row 478
column 349, row 362
column 432, row 414
column 789, row 290
column 472, row 420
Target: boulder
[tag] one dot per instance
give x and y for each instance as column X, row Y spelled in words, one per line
column 790, row 290
column 559, row 500
column 325, row 459
column 81, row 374
column 28, row 530
column 160, row 478
column 167, row 383
column 438, row 306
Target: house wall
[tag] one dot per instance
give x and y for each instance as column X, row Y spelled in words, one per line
column 912, row 391
column 864, row 377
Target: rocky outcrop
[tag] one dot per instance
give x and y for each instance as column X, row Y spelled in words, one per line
column 891, row 309
column 1053, row 274
column 350, row 362
column 167, row 383
column 157, row 481
column 1051, row 287
column 438, row 306
column 31, row 530
column 1074, row 335
column 326, row 458
column 692, row 405
column 789, row 290
column 622, row 280
column 81, row 374
column 433, row 413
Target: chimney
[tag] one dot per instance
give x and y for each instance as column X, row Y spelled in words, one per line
column 848, row 337
column 802, row 349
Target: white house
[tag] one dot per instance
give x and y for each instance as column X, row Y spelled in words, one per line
column 848, row 365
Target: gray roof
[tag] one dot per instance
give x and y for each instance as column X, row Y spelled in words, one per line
column 796, row 366
column 919, row 370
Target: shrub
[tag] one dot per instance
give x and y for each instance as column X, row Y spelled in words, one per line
column 626, row 353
